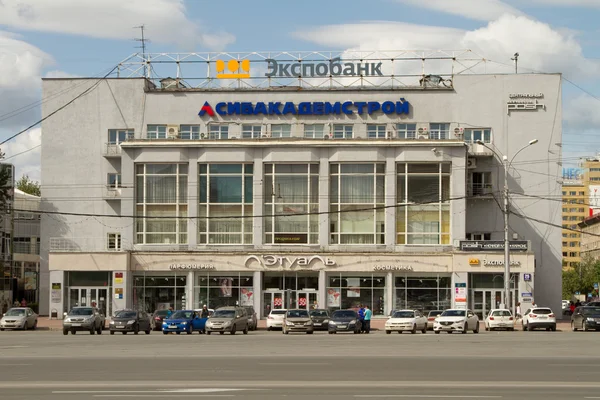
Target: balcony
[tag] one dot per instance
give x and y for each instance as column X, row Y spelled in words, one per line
column 480, row 150
column 26, row 248
column 484, row 190
column 112, row 150
column 84, row 245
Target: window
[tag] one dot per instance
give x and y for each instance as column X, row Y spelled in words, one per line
column 565, row 218
column 572, row 210
column 314, row 131
column 113, row 241
column 161, row 199
column 218, row 131
column 351, row 291
column 480, row 183
column 221, row 290
column 565, row 235
column 572, row 193
column 342, row 131
column 189, row 132
column 281, row 131
column 439, row 131
column 291, row 193
column 564, row 193
column 406, row 131
column 357, row 196
column 376, row 131
column 118, row 136
column 564, row 244
column 573, row 244
column 157, row 132
column 423, row 191
column 581, row 210
column 573, row 254
column 582, row 193
column 479, row 236
column 113, row 181
column 425, row 293
column 565, row 209
column 251, row 131
column 474, row 135
column 225, row 197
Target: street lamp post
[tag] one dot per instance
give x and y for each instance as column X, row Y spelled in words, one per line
column 506, row 164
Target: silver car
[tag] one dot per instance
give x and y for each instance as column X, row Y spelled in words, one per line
column 228, row 319
column 83, row 319
column 19, row 318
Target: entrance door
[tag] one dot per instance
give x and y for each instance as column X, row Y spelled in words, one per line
column 486, row 300
column 273, row 301
column 89, row 297
column 306, row 300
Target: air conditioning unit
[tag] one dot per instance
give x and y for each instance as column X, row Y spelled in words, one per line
column 471, row 163
column 459, row 133
column 265, row 135
column 327, row 136
column 233, row 137
column 390, row 135
column 172, row 131
column 422, row 133
column 204, row 136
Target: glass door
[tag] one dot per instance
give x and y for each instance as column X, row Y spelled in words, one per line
column 273, row 301
column 306, row 300
column 89, row 297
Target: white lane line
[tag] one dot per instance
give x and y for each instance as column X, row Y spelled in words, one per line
column 15, row 365
column 164, row 391
column 573, row 365
column 13, row 347
column 425, row 396
column 163, row 395
column 291, row 363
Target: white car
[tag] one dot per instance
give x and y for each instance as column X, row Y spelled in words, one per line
column 499, row 319
column 275, row 319
column 539, row 317
column 456, row 321
column 406, row 320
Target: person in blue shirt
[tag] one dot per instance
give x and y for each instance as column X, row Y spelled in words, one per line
column 367, row 322
column 361, row 318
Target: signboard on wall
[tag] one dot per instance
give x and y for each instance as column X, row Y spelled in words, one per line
column 594, row 199
column 460, row 294
column 30, row 281
column 247, row 297
column 493, row 245
column 333, row 297
column 56, row 292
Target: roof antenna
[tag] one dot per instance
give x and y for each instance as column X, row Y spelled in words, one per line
column 142, row 46
column 515, row 59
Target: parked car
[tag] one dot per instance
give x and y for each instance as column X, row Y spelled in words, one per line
column 344, row 321
column 19, row 318
column 187, row 321
column 538, row 317
column 456, row 321
column 431, row 316
column 320, row 319
column 252, row 320
column 228, row 319
column 157, row 319
column 297, row 321
column 83, row 319
column 499, row 319
column 592, row 304
column 130, row 321
column 586, row 318
column 275, row 319
column 406, row 320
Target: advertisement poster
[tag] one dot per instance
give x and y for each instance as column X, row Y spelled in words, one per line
column 460, row 293
column 56, row 293
column 594, row 200
column 333, row 297
column 225, row 285
column 30, row 281
column 353, row 287
column 247, row 297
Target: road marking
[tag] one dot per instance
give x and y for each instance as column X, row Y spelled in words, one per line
column 425, row 396
column 573, row 365
column 182, row 390
column 15, row 365
column 13, row 347
column 163, row 396
column 292, row 363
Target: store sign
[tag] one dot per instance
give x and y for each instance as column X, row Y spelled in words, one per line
column 56, row 292
column 291, row 238
column 473, row 261
column 289, row 262
column 500, row 263
column 493, row 245
column 527, row 277
column 191, row 266
column 393, row 268
column 460, row 294
column 333, row 68
column 524, row 102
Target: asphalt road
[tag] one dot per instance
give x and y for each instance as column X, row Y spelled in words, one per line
column 269, row 365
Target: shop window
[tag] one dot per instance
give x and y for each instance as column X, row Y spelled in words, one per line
column 220, row 290
column 424, row 293
column 159, row 292
column 350, row 292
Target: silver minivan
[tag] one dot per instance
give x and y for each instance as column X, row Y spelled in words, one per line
column 228, row 319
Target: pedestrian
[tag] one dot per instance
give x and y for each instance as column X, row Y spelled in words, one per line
column 368, row 314
column 571, row 307
column 578, row 304
column 23, row 303
column 518, row 311
column 16, row 303
column 361, row 318
column 204, row 313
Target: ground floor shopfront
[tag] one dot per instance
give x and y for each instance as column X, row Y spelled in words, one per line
column 385, row 282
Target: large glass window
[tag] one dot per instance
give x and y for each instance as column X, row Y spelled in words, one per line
column 220, row 290
column 314, row 131
column 225, row 203
column 218, row 131
column 291, row 193
column 425, row 293
column 159, row 292
column 251, row 131
column 357, row 194
column 350, row 292
column 189, row 132
column 376, row 131
column 474, row 135
column 424, row 192
column 439, row 131
column 157, row 132
column 118, row 136
column 281, row 131
column 161, row 202
column 406, row 131
column 342, row 131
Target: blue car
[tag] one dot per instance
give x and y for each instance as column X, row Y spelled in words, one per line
column 186, row 321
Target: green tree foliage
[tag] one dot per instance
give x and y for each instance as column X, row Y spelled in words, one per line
column 28, row 186
column 5, row 185
column 582, row 278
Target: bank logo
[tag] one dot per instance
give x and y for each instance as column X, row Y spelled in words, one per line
column 206, row 109
column 233, row 69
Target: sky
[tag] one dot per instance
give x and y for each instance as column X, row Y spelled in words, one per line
column 63, row 38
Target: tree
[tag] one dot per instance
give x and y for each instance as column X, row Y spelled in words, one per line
column 581, row 278
column 28, row 186
column 5, row 185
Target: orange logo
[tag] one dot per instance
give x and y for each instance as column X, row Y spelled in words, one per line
column 473, row 261
column 235, row 69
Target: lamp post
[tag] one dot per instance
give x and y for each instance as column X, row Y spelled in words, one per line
column 506, row 164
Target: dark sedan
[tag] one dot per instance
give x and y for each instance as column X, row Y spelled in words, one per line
column 320, row 319
column 344, row 321
column 158, row 318
column 586, row 318
column 130, row 321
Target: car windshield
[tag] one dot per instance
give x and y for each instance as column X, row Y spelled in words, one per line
column 278, row 312
column 587, row 311
column 344, row 314
column 224, row 314
column 501, row 313
column 454, row 313
column 15, row 313
column 404, row 314
column 81, row 311
column 297, row 314
column 435, row 313
column 182, row 315
column 542, row 311
column 126, row 314
column 319, row 313
column 162, row 313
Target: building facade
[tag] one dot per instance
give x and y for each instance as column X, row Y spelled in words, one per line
column 574, row 210
column 590, row 237
column 279, row 197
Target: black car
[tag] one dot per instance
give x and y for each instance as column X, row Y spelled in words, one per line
column 344, row 321
column 157, row 319
column 130, row 321
column 586, row 318
column 320, row 319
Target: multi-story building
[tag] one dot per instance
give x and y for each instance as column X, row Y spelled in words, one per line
column 574, row 210
column 591, row 178
column 257, row 187
column 590, row 237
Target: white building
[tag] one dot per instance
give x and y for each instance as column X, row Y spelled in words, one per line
column 228, row 189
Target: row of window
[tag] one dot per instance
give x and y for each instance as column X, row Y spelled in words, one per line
column 580, row 209
column 572, row 218
column 570, row 254
column 573, row 193
column 570, row 244
column 571, row 235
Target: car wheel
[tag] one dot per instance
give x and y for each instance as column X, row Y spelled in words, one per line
column 34, row 327
column 99, row 330
column 245, row 331
column 188, row 330
column 487, row 328
column 65, row 332
column 269, row 328
column 583, row 326
column 147, row 332
column 424, row 330
column 464, row 330
column 136, row 330
column 221, row 333
column 178, row 333
column 388, row 332
column 330, row 332
column 436, row 332
column 124, row 333
column 233, row 330
column 112, row 332
column 165, row 333
column 73, row 332
column 208, row 333
column 524, row 327
column 310, row 332
column 553, row 328
column 476, row 330
column 573, row 327
column 414, row 329
column 92, row 331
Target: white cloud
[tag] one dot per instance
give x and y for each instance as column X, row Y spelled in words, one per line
column 581, row 114
column 570, row 3
column 482, row 10
column 26, row 161
column 60, row 74
column 165, row 20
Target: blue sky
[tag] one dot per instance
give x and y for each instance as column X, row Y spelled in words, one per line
column 85, row 37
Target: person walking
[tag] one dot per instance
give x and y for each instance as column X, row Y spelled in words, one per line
column 204, row 313
column 368, row 314
column 518, row 311
column 361, row 318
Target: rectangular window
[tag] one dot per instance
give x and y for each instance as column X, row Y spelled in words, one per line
column 480, row 183
column 113, row 181
column 161, row 202
column 157, row 132
column 291, row 193
column 225, row 203
column 581, row 193
column 281, row 131
column 218, row 131
column 251, row 131
column 439, row 131
column 357, row 196
column 406, row 131
column 118, row 136
column 572, row 193
column 314, row 131
column 376, row 131
column 189, row 132
column 474, row 135
column 423, row 195
column 113, row 242
column 342, row 131
column 479, row 236
column 349, row 291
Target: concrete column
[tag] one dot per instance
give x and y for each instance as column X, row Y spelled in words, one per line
column 390, row 199
column 257, row 288
column 322, row 296
column 120, row 294
column 389, row 293
column 189, row 291
column 324, row 199
column 258, row 202
column 58, row 292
